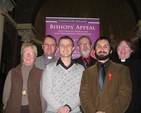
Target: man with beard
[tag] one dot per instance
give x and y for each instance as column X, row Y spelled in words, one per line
column 106, row 86
column 84, row 45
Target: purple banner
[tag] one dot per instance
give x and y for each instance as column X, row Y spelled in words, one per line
column 73, row 27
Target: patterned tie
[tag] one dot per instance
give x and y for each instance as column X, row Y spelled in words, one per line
column 102, row 74
column 86, row 62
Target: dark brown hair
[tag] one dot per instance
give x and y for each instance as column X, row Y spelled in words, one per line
column 50, row 36
column 66, row 37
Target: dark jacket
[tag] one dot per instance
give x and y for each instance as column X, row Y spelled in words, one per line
column 135, row 103
column 80, row 61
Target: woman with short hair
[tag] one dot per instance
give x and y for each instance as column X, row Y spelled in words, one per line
column 22, row 86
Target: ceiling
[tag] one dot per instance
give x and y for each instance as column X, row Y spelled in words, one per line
column 118, row 17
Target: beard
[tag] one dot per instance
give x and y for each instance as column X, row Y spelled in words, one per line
column 85, row 53
column 102, row 57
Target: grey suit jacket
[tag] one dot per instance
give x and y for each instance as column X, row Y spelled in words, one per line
column 39, row 62
column 116, row 93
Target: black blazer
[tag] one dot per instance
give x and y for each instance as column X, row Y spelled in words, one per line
column 80, row 61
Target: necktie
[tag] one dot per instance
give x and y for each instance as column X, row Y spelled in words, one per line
column 86, row 62
column 102, row 74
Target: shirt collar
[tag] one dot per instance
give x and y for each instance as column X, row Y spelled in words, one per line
column 122, row 60
column 62, row 64
column 88, row 58
column 107, row 63
column 48, row 57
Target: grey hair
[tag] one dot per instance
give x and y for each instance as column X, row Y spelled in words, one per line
column 78, row 41
column 25, row 45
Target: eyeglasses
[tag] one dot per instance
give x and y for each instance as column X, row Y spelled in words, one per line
column 51, row 45
column 28, row 53
column 84, row 44
column 125, row 47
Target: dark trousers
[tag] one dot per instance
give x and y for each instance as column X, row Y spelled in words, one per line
column 25, row 109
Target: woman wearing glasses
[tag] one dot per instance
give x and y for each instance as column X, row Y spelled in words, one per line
column 22, row 86
column 125, row 49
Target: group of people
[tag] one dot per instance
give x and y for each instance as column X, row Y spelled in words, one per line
column 48, row 84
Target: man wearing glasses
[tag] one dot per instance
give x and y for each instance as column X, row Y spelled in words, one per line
column 84, row 45
column 49, row 47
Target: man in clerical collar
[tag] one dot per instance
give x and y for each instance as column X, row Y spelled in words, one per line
column 61, row 80
column 106, row 86
column 49, row 47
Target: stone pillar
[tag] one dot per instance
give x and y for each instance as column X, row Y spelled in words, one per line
column 5, row 6
column 138, row 33
column 1, row 35
column 138, row 29
column 26, row 31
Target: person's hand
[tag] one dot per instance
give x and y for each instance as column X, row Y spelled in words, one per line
column 63, row 109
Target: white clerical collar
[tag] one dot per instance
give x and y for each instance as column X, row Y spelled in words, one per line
column 49, row 57
column 123, row 60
